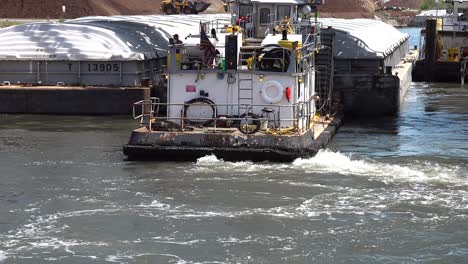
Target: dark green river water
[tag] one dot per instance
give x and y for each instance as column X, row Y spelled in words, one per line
column 392, row 190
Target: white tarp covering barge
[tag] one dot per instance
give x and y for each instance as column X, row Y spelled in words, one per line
column 364, row 38
column 146, row 37
column 73, row 42
column 166, row 26
column 127, row 50
column 118, row 38
column 98, row 51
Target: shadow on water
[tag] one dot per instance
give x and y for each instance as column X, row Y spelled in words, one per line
column 62, row 123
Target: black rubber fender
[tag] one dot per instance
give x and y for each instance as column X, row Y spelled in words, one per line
column 255, row 121
column 200, row 100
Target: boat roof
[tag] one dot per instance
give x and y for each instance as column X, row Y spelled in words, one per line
column 364, row 38
column 116, row 38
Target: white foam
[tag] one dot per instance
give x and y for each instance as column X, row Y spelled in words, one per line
column 171, row 240
column 158, row 204
column 3, row 256
column 50, row 163
column 327, row 161
column 118, row 259
column 208, row 160
column 235, row 240
column 208, row 163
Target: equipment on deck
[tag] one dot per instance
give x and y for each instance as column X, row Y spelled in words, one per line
column 171, row 7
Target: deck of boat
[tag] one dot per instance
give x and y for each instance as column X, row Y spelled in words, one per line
column 230, row 144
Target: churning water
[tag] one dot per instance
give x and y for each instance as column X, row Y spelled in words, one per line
column 393, row 190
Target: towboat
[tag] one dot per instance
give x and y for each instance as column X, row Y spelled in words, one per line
column 445, row 56
column 243, row 91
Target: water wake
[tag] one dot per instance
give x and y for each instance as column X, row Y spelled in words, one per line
column 330, row 162
column 327, row 161
column 2, row 256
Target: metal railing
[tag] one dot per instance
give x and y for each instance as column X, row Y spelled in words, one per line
column 305, row 27
column 250, row 59
column 300, row 121
column 311, row 43
column 146, row 110
column 216, row 24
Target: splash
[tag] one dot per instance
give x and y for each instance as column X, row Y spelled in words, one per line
column 211, row 162
column 330, row 162
column 157, row 205
column 208, row 160
column 327, row 161
column 2, row 256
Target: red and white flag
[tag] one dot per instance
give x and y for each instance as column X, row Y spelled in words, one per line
column 207, row 46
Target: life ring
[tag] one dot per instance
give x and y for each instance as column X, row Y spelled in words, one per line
column 277, row 91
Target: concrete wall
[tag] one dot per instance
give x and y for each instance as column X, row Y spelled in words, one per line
column 69, row 100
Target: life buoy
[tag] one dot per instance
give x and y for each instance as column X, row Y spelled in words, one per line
column 272, row 92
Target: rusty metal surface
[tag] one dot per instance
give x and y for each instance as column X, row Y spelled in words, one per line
column 164, row 145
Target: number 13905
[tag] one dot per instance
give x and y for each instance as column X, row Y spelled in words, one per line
column 102, row 67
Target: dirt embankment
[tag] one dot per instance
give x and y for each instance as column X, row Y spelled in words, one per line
column 350, row 8
column 76, row 8
column 79, row 8
column 401, row 12
column 411, row 4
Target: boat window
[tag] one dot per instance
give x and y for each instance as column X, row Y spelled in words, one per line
column 284, row 11
column 264, row 16
column 464, row 15
column 245, row 10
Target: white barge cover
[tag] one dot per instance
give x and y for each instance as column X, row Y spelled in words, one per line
column 166, row 26
column 118, row 38
column 126, row 38
column 50, row 41
column 364, row 38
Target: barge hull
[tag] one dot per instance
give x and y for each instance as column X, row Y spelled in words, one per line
column 186, row 153
column 145, row 145
column 65, row 100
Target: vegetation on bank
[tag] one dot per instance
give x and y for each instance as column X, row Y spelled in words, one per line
column 433, row 4
column 4, row 24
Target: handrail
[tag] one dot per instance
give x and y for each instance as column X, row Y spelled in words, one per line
column 199, row 62
column 302, row 112
column 146, row 113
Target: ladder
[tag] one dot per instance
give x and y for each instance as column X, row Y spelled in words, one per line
column 324, row 63
column 245, row 93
